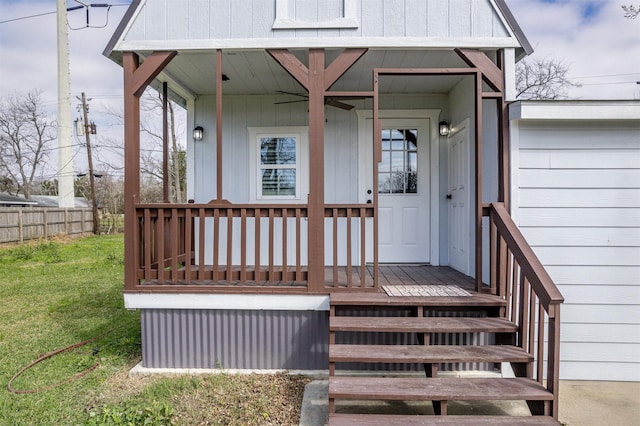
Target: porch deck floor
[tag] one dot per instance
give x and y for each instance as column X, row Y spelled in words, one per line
column 397, row 274
column 339, row 278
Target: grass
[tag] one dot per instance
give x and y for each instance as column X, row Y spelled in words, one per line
column 57, row 293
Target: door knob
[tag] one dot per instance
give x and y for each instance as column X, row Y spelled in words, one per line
column 448, row 196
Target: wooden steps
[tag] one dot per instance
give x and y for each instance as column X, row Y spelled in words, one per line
column 475, row 315
column 437, row 388
column 422, row 325
column 416, row 420
column 435, row 354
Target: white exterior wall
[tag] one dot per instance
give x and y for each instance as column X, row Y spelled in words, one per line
column 576, row 187
column 241, row 112
column 214, row 23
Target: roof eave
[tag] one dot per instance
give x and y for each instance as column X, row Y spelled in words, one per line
column 526, row 48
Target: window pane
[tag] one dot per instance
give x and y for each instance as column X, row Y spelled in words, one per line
column 412, row 139
column 278, row 182
column 398, row 140
column 397, row 183
column 385, row 164
column 397, row 161
column 383, row 183
column 278, row 150
column 412, row 161
column 412, row 183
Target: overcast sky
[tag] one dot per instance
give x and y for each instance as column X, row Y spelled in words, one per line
column 600, row 47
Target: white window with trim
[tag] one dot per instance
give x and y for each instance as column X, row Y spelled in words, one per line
column 279, row 164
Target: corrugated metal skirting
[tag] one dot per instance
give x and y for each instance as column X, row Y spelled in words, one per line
column 186, row 338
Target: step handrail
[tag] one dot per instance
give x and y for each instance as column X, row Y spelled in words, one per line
column 533, row 269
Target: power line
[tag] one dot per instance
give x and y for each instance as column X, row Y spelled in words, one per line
column 68, row 9
column 27, row 17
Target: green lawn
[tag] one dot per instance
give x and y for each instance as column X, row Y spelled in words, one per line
column 55, row 294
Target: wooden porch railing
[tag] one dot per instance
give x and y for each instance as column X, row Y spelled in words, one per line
column 351, row 239
column 533, row 300
column 194, row 247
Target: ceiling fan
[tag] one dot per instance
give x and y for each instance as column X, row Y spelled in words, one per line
column 331, row 101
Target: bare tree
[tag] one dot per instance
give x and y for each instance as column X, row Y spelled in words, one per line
column 542, row 79
column 25, row 132
column 151, row 152
column 631, row 11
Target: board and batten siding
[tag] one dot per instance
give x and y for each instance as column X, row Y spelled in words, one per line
column 224, row 21
column 577, row 201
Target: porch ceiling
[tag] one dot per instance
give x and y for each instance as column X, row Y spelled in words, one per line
column 256, row 73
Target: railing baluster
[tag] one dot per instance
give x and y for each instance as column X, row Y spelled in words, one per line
column 216, row 244
column 349, row 261
column 175, row 235
column 257, row 274
column 493, row 253
column 243, row 246
column 187, row 245
column 229, row 274
column 298, row 248
column 160, row 238
column 334, row 217
column 524, row 314
column 271, row 269
column 363, row 250
column 540, row 355
column 285, row 274
column 201, row 240
column 148, row 245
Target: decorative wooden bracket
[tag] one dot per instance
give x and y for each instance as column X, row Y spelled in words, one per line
column 140, row 76
column 491, row 74
column 332, row 73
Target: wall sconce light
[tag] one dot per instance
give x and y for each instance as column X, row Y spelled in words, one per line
column 198, row 133
column 444, row 128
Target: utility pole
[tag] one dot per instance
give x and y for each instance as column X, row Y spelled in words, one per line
column 65, row 153
column 88, row 129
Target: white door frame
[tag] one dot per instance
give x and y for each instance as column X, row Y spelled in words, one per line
column 434, row 157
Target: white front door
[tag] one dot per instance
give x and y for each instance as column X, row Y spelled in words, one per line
column 403, row 191
column 458, row 195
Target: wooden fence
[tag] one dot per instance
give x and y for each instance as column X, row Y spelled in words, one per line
column 22, row 224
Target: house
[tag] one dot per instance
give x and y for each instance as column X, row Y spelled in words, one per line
column 340, row 151
column 7, row 200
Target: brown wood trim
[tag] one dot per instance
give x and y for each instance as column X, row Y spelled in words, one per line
column 219, row 124
column 165, row 143
column 243, row 245
column 148, row 70
column 529, row 263
column 478, row 179
column 292, row 65
column 424, row 71
column 341, row 64
column 316, row 169
column 492, row 74
column 349, row 94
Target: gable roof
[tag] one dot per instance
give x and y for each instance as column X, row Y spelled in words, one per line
column 134, row 31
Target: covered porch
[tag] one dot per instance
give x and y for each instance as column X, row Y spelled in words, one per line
column 312, row 245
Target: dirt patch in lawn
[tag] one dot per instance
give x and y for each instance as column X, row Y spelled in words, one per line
column 217, row 399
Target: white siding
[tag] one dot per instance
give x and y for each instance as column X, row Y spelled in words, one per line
column 578, row 198
column 424, row 21
column 240, row 112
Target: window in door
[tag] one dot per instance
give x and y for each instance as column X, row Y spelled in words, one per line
column 398, row 170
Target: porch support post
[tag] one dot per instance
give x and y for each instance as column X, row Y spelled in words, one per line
column 504, row 144
column 219, row 124
column 316, row 169
column 478, row 178
column 136, row 78
column 316, row 79
column 165, row 144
